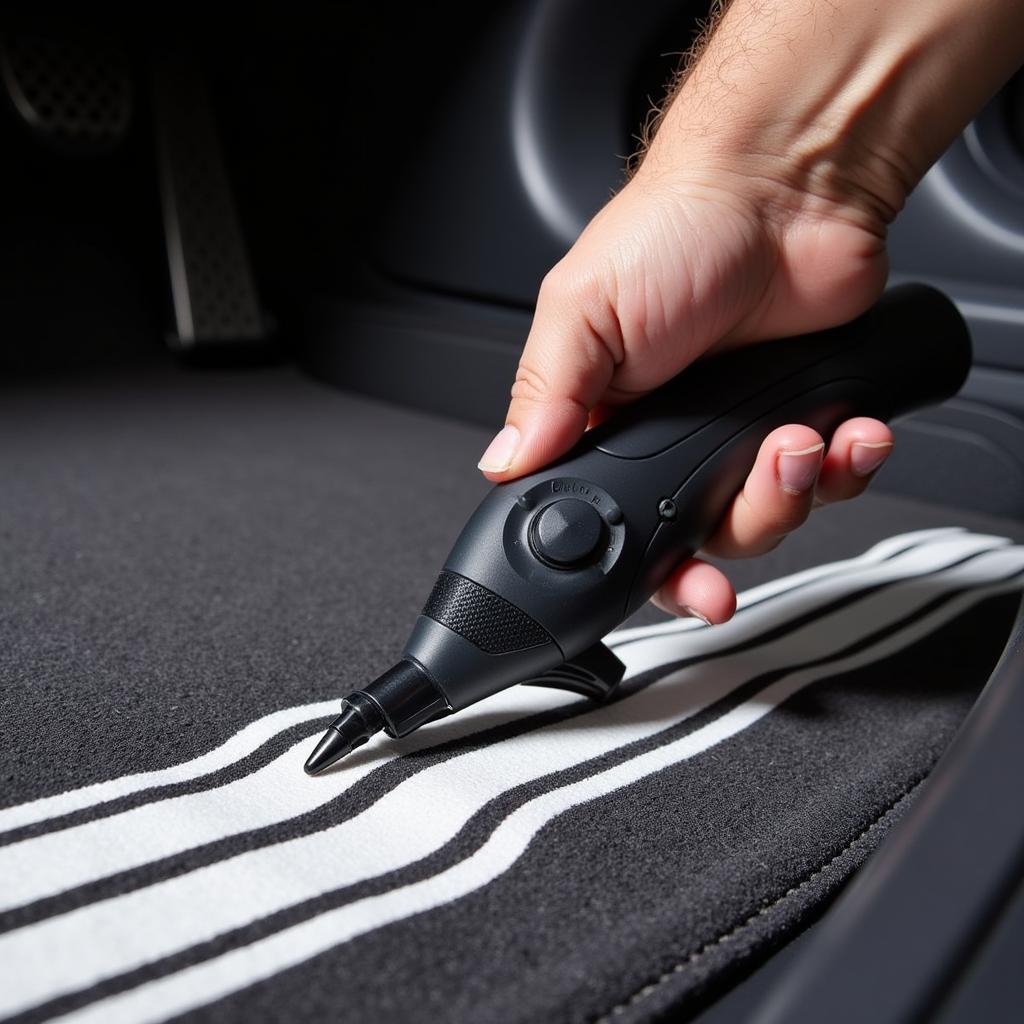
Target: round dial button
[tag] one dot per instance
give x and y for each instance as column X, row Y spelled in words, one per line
column 566, row 532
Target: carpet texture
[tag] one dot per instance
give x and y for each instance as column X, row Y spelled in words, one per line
column 194, row 568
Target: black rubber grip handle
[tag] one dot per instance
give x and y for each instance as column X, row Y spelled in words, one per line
column 704, row 427
column 910, row 350
column 644, row 490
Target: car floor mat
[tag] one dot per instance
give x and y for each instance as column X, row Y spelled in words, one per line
column 192, row 569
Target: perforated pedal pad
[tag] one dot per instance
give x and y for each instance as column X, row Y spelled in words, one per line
column 214, row 296
column 74, row 93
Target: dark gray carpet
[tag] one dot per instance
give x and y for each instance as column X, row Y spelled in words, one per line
column 182, row 553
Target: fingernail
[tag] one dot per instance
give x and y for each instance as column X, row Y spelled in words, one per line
column 798, row 470
column 867, row 456
column 695, row 614
column 501, row 451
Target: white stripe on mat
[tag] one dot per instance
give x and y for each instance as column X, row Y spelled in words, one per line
column 62, row 860
column 238, row 969
column 420, row 814
column 46, row 865
column 240, row 745
column 257, row 733
column 772, row 588
column 658, row 649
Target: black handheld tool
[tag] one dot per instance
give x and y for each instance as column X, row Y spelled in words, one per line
column 550, row 563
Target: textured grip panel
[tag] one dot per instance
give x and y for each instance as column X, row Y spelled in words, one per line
column 481, row 617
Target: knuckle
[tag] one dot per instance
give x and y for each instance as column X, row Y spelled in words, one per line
column 572, row 286
column 785, row 520
column 558, row 287
column 773, row 521
column 531, row 384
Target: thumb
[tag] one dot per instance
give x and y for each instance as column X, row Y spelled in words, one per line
column 566, row 367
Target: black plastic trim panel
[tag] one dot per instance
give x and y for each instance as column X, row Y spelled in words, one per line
column 897, row 945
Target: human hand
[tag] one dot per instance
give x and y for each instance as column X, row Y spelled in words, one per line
column 759, row 211
column 671, row 268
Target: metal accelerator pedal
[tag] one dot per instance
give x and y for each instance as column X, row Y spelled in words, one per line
column 75, row 94
column 216, row 307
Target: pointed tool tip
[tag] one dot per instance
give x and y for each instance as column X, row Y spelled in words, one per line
column 360, row 718
column 332, row 747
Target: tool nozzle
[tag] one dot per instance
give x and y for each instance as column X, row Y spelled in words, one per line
column 400, row 700
column 360, row 718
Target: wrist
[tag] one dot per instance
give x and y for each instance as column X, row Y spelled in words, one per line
column 836, row 112
column 809, row 142
column 789, row 172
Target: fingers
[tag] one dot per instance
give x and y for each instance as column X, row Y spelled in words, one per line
column 792, row 473
column 858, row 449
column 699, row 589
column 566, row 367
column 777, row 496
